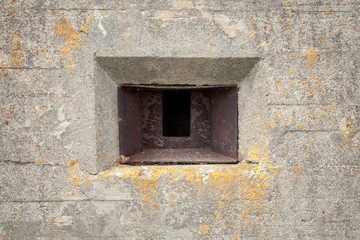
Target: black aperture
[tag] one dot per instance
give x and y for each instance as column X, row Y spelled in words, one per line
column 176, row 113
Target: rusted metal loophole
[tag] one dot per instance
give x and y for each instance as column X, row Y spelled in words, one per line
column 209, row 137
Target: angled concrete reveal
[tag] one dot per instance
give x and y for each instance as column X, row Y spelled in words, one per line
column 170, row 70
column 114, row 71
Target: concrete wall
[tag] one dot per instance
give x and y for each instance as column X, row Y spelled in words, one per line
column 298, row 122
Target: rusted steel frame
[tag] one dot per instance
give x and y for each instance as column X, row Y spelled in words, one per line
column 140, row 87
column 129, row 119
column 224, row 118
column 152, row 122
column 218, row 144
column 179, row 156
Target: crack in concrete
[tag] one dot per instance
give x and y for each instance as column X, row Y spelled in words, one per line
column 34, row 163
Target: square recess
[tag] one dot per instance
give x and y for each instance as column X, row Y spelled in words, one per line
column 178, row 124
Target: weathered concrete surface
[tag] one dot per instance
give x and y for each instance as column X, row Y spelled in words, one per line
column 299, row 120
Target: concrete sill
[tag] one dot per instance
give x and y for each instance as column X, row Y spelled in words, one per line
column 179, row 156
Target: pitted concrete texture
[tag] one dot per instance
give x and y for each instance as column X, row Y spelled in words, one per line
column 297, row 70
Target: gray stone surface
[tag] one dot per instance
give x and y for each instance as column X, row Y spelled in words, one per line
column 298, row 122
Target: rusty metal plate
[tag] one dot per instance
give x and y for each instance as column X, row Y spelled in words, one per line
column 213, row 126
column 130, row 127
column 224, row 118
column 152, row 122
column 179, row 156
column 144, row 87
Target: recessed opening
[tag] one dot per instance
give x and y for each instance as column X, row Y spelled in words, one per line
column 182, row 124
column 176, row 113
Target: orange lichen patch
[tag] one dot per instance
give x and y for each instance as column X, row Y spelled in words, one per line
column 68, row 33
column 297, row 171
column 76, row 175
column 253, row 182
column 224, row 184
column 257, row 154
column 72, row 165
column 314, row 81
column 71, row 37
column 254, row 154
column 204, row 230
column 245, row 215
column 279, row 85
column 87, row 23
column 311, row 56
column 192, row 176
column 146, row 188
column 270, row 123
column 350, row 127
column 17, row 56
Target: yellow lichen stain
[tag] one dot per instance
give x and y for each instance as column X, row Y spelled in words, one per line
column 75, row 175
column 314, row 81
column 311, row 56
column 70, row 36
column 73, row 179
column 225, row 184
column 253, row 154
column 87, row 23
column 270, row 123
column 256, row 155
column 72, row 165
column 297, row 171
column 125, row 36
column 244, row 215
column 68, row 33
column 17, row 55
column 204, row 230
column 350, row 127
column 253, row 184
column 279, row 85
